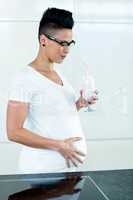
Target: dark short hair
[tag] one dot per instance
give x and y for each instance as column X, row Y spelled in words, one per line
column 54, row 19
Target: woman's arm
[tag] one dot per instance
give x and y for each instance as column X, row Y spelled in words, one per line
column 16, row 115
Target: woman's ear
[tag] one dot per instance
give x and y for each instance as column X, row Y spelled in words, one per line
column 42, row 40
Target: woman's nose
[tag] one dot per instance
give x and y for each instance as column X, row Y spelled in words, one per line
column 65, row 49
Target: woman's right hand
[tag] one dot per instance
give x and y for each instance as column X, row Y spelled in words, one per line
column 69, row 152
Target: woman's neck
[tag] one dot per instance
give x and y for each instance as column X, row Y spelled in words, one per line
column 42, row 64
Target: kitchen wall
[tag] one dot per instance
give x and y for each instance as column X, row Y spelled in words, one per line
column 104, row 43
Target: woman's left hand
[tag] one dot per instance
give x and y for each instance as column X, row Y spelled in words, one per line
column 82, row 102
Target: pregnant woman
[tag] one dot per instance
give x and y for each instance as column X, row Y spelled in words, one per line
column 42, row 112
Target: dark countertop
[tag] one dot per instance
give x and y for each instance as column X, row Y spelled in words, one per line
column 93, row 185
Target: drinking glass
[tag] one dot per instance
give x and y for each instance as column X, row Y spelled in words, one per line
column 88, row 91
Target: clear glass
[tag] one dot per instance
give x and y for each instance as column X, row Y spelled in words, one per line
column 89, row 91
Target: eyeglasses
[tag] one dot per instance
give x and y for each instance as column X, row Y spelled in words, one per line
column 63, row 43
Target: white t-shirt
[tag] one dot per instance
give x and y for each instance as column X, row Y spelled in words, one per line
column 52, row 113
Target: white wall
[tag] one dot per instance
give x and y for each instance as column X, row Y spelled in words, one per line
column 104, row 35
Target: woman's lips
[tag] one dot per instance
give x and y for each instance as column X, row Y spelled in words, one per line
column 63, row 57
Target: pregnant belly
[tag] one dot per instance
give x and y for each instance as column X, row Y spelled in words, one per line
column 37, row 160
column 81, row 146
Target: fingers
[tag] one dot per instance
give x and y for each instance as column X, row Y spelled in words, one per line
column 73, row 139
column 70, row 153
column 73, row 161
column 92, row 100
column 77, row 158
column 82, row 102
column 80, row 153
column 74, row 158
column 67, row 162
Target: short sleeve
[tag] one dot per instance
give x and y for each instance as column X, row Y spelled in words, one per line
column 20, row 90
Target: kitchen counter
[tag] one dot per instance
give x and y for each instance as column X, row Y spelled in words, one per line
column 93, row 185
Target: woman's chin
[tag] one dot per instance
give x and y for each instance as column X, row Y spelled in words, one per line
column 58, row 61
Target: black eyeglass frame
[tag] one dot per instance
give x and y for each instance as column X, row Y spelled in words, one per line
column 63, row 43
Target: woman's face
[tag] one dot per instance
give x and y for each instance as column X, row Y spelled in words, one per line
column 54, row 51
